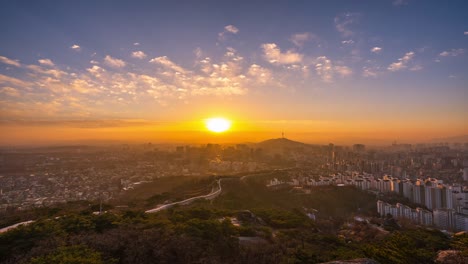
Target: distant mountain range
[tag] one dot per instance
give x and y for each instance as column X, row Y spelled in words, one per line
column 280, row 143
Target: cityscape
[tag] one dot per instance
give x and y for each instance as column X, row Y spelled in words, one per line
column 234, row 132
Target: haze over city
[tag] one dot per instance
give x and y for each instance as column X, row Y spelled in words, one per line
column 320, row 71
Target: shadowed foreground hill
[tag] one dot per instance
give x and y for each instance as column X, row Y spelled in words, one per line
column 274, row 223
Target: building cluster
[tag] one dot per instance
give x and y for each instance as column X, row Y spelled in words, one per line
column 442, row 218
column 40, row 177
column 442, row 205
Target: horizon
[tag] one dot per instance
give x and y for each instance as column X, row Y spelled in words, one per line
column 321, row 72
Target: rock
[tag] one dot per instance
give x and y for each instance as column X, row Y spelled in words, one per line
column 353, row 261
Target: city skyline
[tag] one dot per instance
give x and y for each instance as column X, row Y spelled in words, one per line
column 334, row 71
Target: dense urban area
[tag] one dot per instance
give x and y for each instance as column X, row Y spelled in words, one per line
column 352, row 193
column 431, row 176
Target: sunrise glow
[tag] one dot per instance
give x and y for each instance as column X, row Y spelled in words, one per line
column 218, row 124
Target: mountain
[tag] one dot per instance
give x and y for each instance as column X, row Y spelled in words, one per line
column 281, row 143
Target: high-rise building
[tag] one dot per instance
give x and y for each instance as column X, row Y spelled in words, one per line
column 408, row 189
column 465, row 174
column 424, row 217
column 429, row 197
column 461, row 222
column 418, row 193
column 444, row 219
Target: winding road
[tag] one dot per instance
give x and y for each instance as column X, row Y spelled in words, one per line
column 213, row 194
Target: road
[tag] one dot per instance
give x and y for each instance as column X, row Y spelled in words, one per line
column 213, row 194
column 5, row 229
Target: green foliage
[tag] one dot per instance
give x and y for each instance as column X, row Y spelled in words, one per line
column 282, row 219
column 410, row 246
column 196, row 233
column 460, row 242
column 72, row 255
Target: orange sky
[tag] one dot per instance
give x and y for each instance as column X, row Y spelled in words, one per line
column 321, row 132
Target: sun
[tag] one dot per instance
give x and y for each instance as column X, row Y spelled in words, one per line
column 217, row 124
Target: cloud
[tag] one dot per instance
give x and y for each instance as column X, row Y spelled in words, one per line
column 343, row 23
column 350, row 41
column 232, row 29
column 46, row 92
column 229, row 29
column 327, row 71
column 114, row 62
column 136, row 44
column 376, row 50
column 138, row 54
column 299, row 39
column 167, row 63
column 10, row 91
column 93, row 62
column 46, row 62
column 370, row 72
column 75, row 47
column 465, row 33
column 13, row 81
column 272, row 53
column 198, row 52
column 324, row 68
column 452, row 53
column 96, row 71
column 416, row 68
column 261, row 74
column 402, row 62
column 40, row 70
column 8, row 61
column 343, row 71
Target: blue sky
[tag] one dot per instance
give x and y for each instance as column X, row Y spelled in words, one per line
column 377, row 62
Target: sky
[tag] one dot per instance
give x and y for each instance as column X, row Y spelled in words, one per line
column 319, row 71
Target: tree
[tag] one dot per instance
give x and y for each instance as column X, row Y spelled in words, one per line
column 72, row 255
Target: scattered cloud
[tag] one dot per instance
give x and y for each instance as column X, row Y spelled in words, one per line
column 10, row 91
column 229, row 29
column 402, row 63
column 13, row 81
column 93, row 62
column 343, row 23
column 96, row 71
column 272, row 53
column 198, row 52
column 350, row 41
column 326, row 70
column 343, row 71
column 46, row 62
column 261, row 74
column 465, row 33
column 50, row 72
column 299, row 39
column 232, row 29
column 8, row 61
column 138, row 54
column 167, row 63
column 452, row 53
column 376, row 50
column 370, row 72
column 75, row 47
column 416, row 68
column 114, row 62
column 136, row 44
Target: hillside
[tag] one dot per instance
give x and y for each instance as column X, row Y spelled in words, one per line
column 247, row 223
